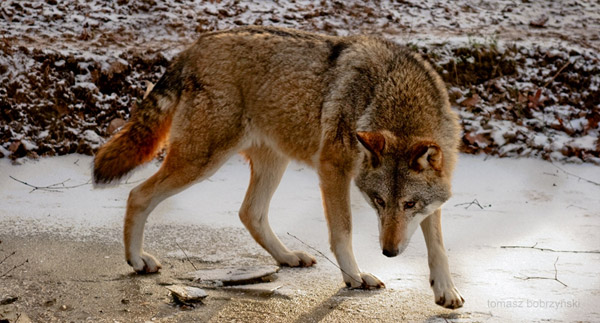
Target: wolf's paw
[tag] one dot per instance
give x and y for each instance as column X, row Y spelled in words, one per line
column 298, row 259
column 366, row 281
column 447, row 296
column 144, row 264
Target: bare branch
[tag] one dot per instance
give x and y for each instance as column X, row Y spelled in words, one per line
column 14, row 267
column 186, row 256
column 557, row 73
column 548, row 278
column 56, row 187
column 324, row 256
column 10, row 255
column 550, row 250
column 576, row 176
column 469, row 204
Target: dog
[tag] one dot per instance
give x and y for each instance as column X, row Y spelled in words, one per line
column 353, row 108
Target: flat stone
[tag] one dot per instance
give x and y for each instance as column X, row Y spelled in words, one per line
column 234, row 275
column 187, row 294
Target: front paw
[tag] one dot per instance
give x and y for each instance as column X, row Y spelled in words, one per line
column 363, row 281
column 446, row 295
column 144, row 263
column 297, row 259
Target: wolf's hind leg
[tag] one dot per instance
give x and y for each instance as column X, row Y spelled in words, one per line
column 444, row 291
column 176, row 174
column 267, row 168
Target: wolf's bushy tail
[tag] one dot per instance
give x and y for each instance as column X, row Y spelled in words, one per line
column 137, row 142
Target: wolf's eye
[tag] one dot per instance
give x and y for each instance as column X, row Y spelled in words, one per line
column 379, row 201
column 409, row 205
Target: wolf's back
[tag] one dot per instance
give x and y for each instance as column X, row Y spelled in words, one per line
column 137, row 142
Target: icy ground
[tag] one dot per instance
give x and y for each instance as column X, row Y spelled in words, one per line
column 519, row 202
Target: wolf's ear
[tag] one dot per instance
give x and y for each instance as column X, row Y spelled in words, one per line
column 426, row 155
column 149, row 87
column 374, row 142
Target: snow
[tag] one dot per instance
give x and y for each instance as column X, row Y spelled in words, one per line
column 586, row 142
column 29, row 145
column 524, row 202
column 93, row 137
column 88, row 38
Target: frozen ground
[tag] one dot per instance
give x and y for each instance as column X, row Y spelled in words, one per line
column 76, row 269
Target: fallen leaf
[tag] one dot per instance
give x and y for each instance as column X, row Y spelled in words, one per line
column 471, row 101
column 534, row 100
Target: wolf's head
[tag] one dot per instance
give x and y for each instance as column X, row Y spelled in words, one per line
column 404, row 181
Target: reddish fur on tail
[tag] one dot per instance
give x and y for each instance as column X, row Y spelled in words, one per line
column 134, row 145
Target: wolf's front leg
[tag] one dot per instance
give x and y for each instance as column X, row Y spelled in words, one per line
column 335, row 188
column 444, row 291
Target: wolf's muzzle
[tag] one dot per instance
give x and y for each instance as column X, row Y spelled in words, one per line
column 390, row 252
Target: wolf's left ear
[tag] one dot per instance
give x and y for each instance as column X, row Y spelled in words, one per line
column 426, row 155
column 149, row 87
column 374, row 142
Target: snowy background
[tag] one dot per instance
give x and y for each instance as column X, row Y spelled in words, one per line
column 524, row 77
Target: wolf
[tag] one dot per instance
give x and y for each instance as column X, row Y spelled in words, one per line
column 356, row 108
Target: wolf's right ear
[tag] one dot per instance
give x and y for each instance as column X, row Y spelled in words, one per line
column 374, row 142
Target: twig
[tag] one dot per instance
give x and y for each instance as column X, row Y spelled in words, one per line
column 555, row 75
column 186, row 256
column 133, row 182
column 550, row 278
column 14, row 267
column 324, row 256
column 550, row 250
column 10, row 255
column 57, row 187
column 469, row 204
column 577, row 176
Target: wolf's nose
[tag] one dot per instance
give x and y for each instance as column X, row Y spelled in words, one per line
column 390, row 253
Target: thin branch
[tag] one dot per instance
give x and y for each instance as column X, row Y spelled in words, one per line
column 557, row 73
column 10, row 255
column 577, row 176
column 186, row 256
column 549, row 278
column 324, row 256
column 576, row 206
column 133, row 182
column 14, row 267
column 550, row 250
column 56, row 187
column 469, row 204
